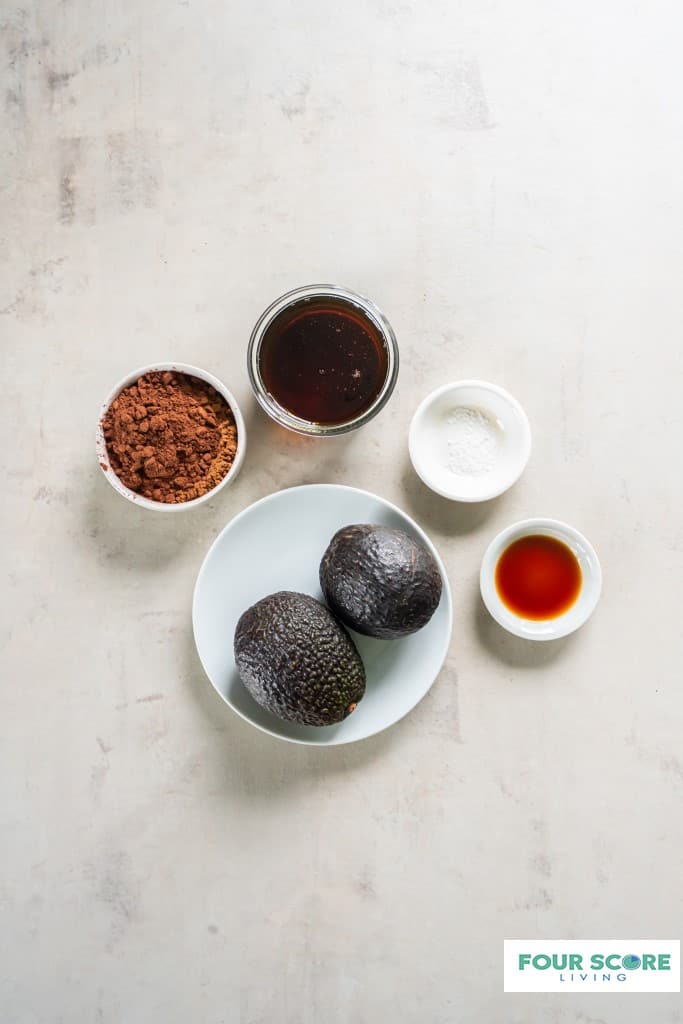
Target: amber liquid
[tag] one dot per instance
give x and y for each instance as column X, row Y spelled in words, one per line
column 323, row 360
column 538, row 577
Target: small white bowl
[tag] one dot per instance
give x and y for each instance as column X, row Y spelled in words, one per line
column 580, row 611
column 167, row 506
column 428, row 440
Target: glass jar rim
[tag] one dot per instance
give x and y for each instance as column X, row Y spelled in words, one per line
column 266, row 400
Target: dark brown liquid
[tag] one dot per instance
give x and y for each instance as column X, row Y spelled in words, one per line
column 323, row 360
column 538, row 577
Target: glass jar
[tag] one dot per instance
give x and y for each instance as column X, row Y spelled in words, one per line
column 362, row 315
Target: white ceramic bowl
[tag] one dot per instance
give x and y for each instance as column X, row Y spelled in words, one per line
column 167, row 506
column 580, row 611
column 430, row 434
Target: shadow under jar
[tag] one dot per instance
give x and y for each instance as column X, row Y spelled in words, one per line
column 322, row 360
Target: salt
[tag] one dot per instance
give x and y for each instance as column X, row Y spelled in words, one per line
column 473, row 441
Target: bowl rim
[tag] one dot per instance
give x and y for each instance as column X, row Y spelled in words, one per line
column 103, row 455
column 524, row 449
column 288, row 419
column 545, row 629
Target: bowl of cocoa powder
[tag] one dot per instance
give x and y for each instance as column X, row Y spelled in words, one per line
column 170, row 436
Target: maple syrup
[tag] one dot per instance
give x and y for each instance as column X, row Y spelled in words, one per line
column 323, row 360
column 538, row 577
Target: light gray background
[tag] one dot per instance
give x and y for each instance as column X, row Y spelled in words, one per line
column 505, row 180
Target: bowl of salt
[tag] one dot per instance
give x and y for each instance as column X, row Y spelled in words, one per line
column 469, row 440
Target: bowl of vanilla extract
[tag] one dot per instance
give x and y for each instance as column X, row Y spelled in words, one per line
column 322, row 360
column 540, row 579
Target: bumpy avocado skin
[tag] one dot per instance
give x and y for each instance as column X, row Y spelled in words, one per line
column 297, row 660
column 379, row 581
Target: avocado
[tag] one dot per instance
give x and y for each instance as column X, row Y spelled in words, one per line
column 379, row 581
column 297, row 660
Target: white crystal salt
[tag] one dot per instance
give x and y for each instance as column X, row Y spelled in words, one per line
column 473, row 440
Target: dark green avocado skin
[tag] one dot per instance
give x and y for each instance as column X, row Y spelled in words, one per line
column 379, row 581
column 297, row 660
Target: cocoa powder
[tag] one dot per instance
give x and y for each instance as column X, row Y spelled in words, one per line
column 170, row 437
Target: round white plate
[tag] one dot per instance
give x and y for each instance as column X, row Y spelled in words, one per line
column 276, row 544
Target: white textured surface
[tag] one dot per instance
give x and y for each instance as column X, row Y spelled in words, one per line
column 505, row 181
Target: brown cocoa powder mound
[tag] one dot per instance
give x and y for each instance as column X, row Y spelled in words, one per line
column 170, row 437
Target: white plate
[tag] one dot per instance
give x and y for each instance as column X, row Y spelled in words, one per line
column 276, row 544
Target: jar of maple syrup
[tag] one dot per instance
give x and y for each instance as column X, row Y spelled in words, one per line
column 322, row 360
